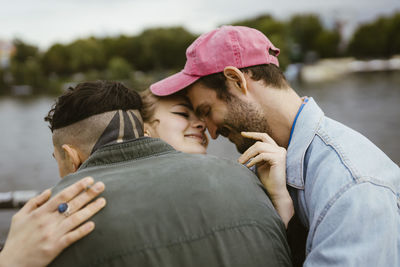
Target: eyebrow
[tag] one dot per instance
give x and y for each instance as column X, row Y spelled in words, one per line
column 186, row 105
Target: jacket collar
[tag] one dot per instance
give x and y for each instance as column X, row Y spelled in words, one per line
column 125, row 151
column 303, row 134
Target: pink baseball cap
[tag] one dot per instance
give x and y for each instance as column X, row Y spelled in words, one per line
column 236, row 46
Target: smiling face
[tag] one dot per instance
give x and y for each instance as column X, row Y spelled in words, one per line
column 175, row 123
column 227, row 117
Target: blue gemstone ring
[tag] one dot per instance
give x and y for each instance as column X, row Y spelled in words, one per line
column 63, row 209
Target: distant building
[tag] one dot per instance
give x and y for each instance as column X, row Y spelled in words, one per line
column 7, row 49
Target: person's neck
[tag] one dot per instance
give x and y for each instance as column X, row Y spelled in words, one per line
column 280, row 107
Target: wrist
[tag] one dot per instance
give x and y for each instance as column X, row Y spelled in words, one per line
column 280, row 196
column 284, row 207
column 8, row 259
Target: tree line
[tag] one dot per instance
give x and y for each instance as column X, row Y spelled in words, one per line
column 138, row 60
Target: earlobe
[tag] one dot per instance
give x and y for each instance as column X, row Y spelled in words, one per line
column 146, row 130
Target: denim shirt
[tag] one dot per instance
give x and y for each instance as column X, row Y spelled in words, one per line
column 346, row 191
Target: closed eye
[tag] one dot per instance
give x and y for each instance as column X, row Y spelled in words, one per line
column 183, row 114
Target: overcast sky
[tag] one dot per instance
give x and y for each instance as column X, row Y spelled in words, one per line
column 45, row 22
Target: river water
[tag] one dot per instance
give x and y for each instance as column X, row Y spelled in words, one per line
column 368, row 103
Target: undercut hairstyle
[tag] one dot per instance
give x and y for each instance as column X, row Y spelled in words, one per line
column 94, row 114
column 270, row 74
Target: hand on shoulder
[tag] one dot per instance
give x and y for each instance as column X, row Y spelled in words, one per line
column 39, row 231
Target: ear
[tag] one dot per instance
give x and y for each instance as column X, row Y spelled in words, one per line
column 147, row 129
column 72, row 157
column 236, row 78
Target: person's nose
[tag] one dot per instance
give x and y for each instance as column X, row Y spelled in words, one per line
column 199, row 124
column 212, row 129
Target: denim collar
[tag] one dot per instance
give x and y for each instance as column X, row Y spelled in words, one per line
column 303, row 134
column 130, row 150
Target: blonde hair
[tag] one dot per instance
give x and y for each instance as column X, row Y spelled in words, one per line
column 149, row 104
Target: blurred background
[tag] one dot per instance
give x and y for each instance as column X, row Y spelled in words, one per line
column 345, row 54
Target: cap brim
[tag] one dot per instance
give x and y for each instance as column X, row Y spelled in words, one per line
column 173, row 84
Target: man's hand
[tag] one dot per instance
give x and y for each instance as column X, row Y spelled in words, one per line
column 270, row 160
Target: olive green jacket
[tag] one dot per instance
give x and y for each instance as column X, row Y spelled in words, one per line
column 167, row 208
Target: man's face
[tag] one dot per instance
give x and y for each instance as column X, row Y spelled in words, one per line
column 227, row 117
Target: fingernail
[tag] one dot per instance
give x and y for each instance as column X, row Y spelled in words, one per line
column 101, row 202
column 98, row 187
column 89, row 180
column 89, row 226
column 47, row 192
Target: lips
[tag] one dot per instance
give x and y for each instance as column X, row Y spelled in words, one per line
column 197, row 136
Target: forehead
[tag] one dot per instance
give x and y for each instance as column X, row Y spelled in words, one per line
column 172, row 101
column 199, row 94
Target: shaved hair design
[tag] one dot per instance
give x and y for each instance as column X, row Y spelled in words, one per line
column 95, row 114
column 124, row 126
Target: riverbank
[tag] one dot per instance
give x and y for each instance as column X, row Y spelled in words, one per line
column 332, row 69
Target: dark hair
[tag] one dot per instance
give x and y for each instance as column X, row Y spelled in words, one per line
column 270, row 74
column 91, row 98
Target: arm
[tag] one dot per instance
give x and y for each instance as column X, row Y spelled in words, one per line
column 271, row 168
column 38, row 232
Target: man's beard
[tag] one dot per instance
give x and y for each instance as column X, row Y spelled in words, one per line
column 243, row 117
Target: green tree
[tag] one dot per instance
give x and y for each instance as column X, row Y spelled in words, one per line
column 29, row 73
column 26, row 68
column 265, row 24
column 369, row 40
column 379, row 38
column 57, row 60
column 393, row 35
column 24, row 51
column 86, row 54
column 304, row 30
column 3, row 85
column 162, row 48
column 327, row 43
column 119, row 69
column 126, row 47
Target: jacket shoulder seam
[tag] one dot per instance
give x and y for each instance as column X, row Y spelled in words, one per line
column 339, row 152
